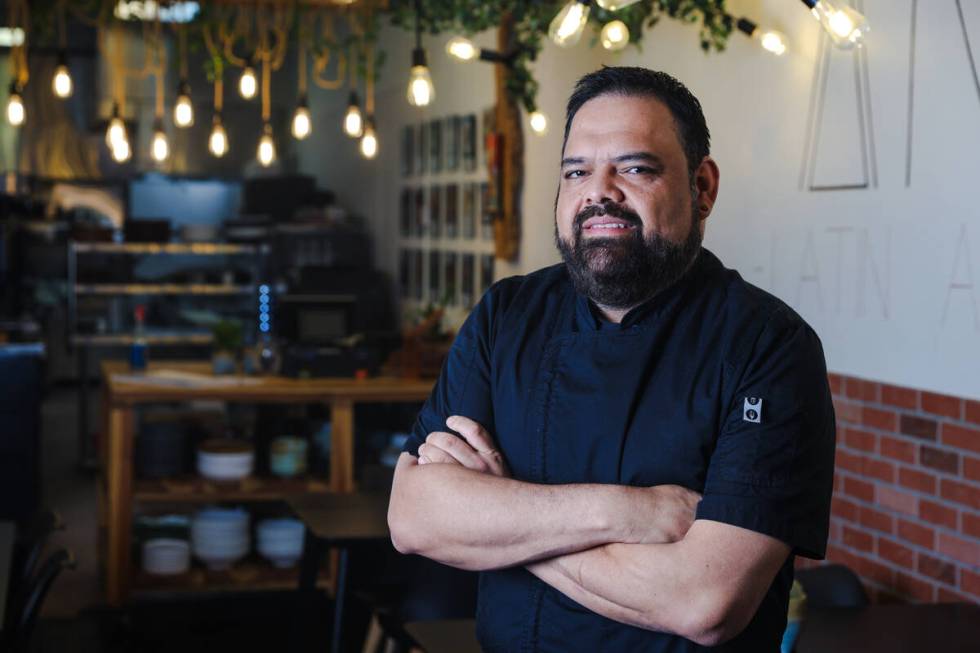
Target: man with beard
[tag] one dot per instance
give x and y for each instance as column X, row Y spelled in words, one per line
column 631, row 446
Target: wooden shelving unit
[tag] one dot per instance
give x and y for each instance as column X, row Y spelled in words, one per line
column 119, row 491
column 195, row 489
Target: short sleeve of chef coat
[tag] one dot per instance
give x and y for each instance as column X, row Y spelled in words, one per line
column 776, row 476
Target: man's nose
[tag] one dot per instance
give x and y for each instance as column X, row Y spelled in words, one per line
column 603, row 188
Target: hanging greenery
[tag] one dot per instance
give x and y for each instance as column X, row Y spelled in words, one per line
column 532, row 18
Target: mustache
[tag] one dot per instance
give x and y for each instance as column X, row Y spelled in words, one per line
column 607, row 208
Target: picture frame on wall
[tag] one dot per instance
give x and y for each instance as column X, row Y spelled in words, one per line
column 469, row 210
column 486, row 215
column 434, row 276
column 468, row 138
column 452, row 210
column 452, row 143
column 466, row 295
column 418, row 214
column 417, row 269
column 408, row 151
column 422, row 148
column 435, row 211
column 449, row 280
column 405, row 206
column 435, row 146
column 486, row 272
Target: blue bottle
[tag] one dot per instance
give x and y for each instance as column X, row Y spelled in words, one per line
column 137, row 352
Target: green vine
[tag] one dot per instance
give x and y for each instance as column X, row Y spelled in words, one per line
column 466, row 17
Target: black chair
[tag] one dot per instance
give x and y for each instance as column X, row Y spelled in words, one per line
column 832, row 586
column 30, row 545
column 24, row 611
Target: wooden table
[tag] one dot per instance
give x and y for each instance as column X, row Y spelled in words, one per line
column 445, row 635
column 339, row 521
column 8, row 533
column 124, row 390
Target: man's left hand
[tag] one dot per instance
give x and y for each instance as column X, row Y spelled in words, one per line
column 474, row 450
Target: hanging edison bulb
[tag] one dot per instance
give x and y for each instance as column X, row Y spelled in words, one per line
column 218, row 140
column 420, row 91
column 353, row 121
column 61, row 83
column 615, row 35
column 615, row 5
column 773, row 41
column 120, row 149
column 183, row 109
column 369, row 141
column 248, row 85
column 302, row 123
column 460, row 47
column 538, row 122
column 159, row 147
column 16, row 114
column 117, row 128
column 267, row 147
column 846, row 26
column 566, row 28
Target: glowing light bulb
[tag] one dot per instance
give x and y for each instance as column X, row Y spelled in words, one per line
column 846, row 26
column 302, row 124
column 183, row 109
column 566, row 28
column 116, row 130
column 159, row 148
column 121, row 151
column 614, row 35
column 353, row 122
column 61, row 82
column 539, row 122
column 420, row 89
column 369, row 141
column 773, row 41
column 15, row 108
column 615, row 5
column 460, row 47
column 247, row 84
column 267, row 147
column 218, row 140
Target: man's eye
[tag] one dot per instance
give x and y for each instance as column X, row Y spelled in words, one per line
column 574, row 174
column 638, row 170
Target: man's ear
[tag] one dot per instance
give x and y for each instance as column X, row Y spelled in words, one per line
column 706, row 180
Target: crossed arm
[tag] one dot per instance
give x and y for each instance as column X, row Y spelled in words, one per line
column 630, row 554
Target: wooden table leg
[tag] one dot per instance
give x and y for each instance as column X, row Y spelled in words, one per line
column 342, row 445
column 119, row 470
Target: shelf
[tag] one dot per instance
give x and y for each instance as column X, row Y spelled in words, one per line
column 194, row 489
column 253, row 573
column 107, row 339
column 199, row 249
column 162, row 289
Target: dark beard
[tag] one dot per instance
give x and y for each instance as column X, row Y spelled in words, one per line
column 622, row 272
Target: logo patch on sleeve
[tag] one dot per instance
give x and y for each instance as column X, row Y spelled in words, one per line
column 752, row 410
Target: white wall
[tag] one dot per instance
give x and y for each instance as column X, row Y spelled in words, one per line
column 886, row 274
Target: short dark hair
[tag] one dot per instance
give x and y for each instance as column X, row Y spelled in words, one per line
column 692, row 130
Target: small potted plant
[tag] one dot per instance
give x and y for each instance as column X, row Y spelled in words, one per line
column 227, row 343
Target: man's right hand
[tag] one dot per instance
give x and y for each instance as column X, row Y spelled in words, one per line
column 659, row 514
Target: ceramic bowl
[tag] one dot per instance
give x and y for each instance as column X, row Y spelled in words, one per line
column 166, row 556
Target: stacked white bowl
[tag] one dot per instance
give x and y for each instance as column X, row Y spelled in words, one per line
column 166, row 556
column 281, row 541
column 220, row 536
column 225, row 460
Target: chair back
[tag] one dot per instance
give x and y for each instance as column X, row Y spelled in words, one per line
column 832, row 586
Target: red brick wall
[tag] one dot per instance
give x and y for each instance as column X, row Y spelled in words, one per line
column 906, row 507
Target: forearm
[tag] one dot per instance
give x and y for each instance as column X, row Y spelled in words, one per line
column 637, row 584
column 479, row 521
column 705, row 587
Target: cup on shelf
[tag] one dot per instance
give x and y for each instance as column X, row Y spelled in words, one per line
column 225, row 460
column 166, row 556
column 287, row 456
column 281, row 541
column 220, row 536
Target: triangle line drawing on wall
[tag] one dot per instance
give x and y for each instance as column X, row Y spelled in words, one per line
column 911, row 103
column 839, row 150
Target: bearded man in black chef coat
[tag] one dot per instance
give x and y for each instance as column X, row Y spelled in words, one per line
column 633, row 445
